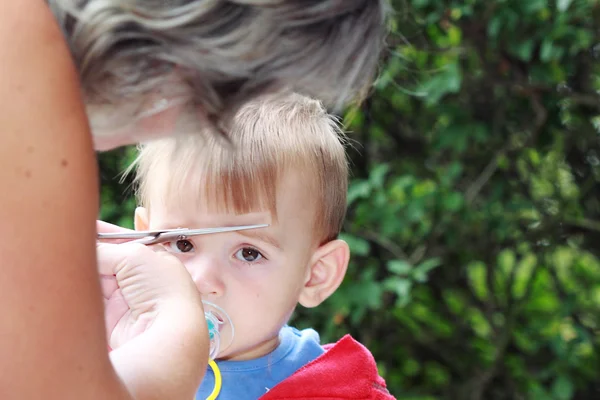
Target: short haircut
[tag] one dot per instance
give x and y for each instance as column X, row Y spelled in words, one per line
column 270, row 136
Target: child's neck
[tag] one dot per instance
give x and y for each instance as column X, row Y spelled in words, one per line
column 261, row 349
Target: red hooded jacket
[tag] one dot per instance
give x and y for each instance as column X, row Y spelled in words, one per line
column 346, row 370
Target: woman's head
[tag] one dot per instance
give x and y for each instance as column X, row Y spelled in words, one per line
column 204, row 58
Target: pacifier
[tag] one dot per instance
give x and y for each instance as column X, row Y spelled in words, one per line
column 220, row 329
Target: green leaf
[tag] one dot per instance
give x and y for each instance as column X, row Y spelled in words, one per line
column 451, row 173
column 478, row 322
column 448, row 81
column 546, row 50
column 505, row 265
column 524, row 49
column 563, row 5
column 389, row 74
column 358, row 190
column 358, row 246
column 422, row 270
column 494, row 26
column 453, row 201
column 534, row 6
column 401, row 287
column 411, row 367
column 455, row 301
column 414, row 212
column 436, row 374
column 454, row 35
column 377, row 175
column 365, row 293
column 563, row 388
column 429, row 264
column 477, row 273
column 523, row 275
column 420, row 3
column 399, row 267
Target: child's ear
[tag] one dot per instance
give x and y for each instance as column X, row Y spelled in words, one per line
column 325, row 273
column 140, row 219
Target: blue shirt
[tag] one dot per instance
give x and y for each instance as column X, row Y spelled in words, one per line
column 251, row 379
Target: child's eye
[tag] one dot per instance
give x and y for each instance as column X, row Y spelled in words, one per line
column 181, row 246
column 248, row 254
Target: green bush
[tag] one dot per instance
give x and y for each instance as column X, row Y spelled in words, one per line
column 474, row 207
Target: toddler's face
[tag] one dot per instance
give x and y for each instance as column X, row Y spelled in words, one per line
column 256, row 276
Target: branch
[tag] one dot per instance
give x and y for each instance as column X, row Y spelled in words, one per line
column 474, row 189
column 486, row 377
column 541, row 114
column 587, row 100
column 387, row 244
column 585, row 223
column 418, row 254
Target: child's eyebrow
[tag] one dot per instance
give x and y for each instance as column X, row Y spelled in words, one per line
column 261, row 235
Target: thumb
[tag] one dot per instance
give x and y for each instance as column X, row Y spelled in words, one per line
column 111, row 257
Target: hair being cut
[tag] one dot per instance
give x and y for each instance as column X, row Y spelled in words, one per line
column 218, row 54
column 273, row 137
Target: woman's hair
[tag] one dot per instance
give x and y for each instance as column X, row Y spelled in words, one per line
column 218, row 54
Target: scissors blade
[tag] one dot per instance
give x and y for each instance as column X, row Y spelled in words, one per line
column 206, row 231
column 177, row 233
column 161, row 236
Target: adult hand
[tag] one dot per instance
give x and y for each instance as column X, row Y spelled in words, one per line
column 139, row 282
column 154, row 318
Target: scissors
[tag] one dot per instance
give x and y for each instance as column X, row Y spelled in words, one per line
column 168, row 235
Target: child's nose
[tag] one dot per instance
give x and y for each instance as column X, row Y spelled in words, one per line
column 205, row 272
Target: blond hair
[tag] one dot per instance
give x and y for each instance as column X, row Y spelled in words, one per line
column 221, row 53
column 270, row 136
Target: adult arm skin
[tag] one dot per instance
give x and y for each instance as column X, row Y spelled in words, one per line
column 52, row 336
